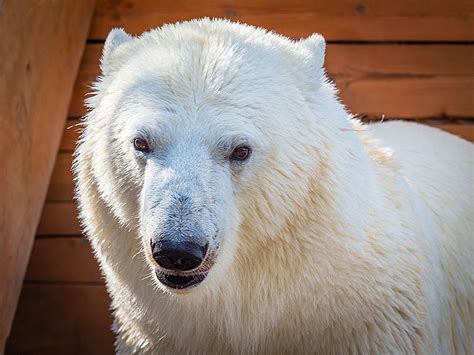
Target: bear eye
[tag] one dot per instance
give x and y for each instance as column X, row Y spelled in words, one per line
column 240, row 153
column 141, row 145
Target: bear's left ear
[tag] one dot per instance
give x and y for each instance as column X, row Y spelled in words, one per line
column 317, row 45
column 116, row 38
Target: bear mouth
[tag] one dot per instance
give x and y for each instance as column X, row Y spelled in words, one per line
column 180, row 282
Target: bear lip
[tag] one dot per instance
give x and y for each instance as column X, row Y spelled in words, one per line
column 186, row 279
column 180, row 282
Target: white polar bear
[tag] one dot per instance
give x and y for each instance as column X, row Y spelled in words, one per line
column 236, row 207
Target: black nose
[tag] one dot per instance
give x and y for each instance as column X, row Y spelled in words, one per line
column 178, row 256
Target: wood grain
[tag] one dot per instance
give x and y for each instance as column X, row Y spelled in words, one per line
column 40, row 50
column 63, row 259
column 70, row 135
column 397, row 81
column 465, row 131
column 61, row 183
column 59, row 218
column 408, row 98
column 62, row 319
column 346, row 20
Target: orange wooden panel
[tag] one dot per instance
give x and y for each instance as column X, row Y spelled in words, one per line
column 398, row 81
column 408, row 97
column 70, row 135
column 40, row 50
column 59, row 218
column 63, row 259
column 365, row 20
column 62, row 319
column 61, row 183
column 465, row 131
column 399, row 60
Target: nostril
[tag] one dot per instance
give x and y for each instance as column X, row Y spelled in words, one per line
column 178, row 263
column 178, row 256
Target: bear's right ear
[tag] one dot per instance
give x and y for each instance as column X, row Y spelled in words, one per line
column 317, row 45
column 115, row 39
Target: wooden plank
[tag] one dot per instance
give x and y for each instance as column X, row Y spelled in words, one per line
column 398, row 60
column 70, row 135
column 398, row 81
column 40, row 50
column 62, row 319
column 59, row 218
column 408, row 97
column 63, row 259
column 61, row 183
column 365, row 20
column 88, row 71
column 464, row 131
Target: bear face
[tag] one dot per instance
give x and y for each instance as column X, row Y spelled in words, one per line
column 191, row 128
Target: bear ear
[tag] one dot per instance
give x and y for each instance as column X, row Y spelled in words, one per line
column 317, row 45
column 114, row 40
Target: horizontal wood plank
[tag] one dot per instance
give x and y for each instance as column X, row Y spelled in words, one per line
column 408, row 98
column 59, row 218
column 465, row 131
column 396, row 81
column 70, row 135
column 62, row 319
column 61, row 183
column 63, row 259
column 398, row 60
column 365, row 20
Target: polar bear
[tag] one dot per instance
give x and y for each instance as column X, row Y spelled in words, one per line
column 236, row 207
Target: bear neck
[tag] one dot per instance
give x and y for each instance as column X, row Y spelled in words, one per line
column 329, row 238
column 337, row 202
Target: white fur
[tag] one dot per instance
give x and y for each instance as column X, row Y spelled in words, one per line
column 333, row 238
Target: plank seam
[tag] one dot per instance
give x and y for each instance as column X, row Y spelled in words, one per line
column 58, row 236
column 64, row 283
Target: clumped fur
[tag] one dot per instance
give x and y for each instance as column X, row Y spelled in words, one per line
column 336, row 238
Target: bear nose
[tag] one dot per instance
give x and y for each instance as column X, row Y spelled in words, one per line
column 178, row 256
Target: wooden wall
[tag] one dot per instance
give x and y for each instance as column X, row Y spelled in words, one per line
column 393, row 59
column 41, row 45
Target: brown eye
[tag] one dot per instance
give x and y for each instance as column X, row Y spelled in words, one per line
column 240, row 153
column 141, row 145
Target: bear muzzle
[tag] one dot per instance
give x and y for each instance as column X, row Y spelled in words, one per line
column 181, row 264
